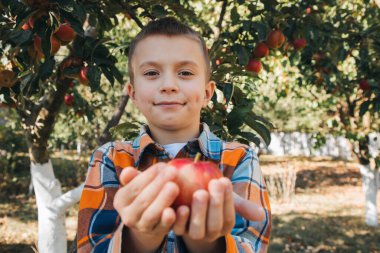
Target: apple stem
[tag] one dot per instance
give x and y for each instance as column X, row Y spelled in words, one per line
column 197, row 157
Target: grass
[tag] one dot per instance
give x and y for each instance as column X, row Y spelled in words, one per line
column 326, row 214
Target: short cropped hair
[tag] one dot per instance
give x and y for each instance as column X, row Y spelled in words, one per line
column 171, row 27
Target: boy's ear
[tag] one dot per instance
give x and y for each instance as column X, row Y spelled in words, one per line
column 131, row 91
column 209, row 92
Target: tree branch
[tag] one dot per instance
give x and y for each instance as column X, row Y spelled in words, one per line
column 220, row 22
column 221, row 16
column 106, row 136
column 133, row 16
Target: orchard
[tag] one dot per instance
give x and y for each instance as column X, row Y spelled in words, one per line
column 63, row 66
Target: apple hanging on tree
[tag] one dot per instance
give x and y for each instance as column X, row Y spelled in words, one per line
column 364, row 85
column 299, row 43
column 275, row 39
column 254, row 66
column 65, row 34
column 69, row 99
column 261, row 50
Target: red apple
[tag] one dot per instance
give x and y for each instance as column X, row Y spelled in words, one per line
column 65, row 33
column 83, row 75
column 299, row 43
column 25, row 26
column 364, row 85
column 275, row 39
column 254, row 66
column 261, row 50
column 69, row 99
column 192, row 176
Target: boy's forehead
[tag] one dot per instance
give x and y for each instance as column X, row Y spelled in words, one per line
column 158, row 47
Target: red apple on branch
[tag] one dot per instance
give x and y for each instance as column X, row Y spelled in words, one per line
column 364, row 85
column 65, row 33
column 261, row 50
column 275, row 39
column 69, row 99
column 254, row 66
column 193, row 175
column 299, row 43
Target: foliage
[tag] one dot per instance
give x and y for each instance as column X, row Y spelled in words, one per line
column 339, row 49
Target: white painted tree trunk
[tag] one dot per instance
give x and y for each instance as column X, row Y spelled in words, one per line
column 370, row 180
column 51, row 204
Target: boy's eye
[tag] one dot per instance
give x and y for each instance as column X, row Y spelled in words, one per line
column 185, row 73
column 151, row 73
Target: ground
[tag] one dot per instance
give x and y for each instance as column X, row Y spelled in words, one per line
column 326, row 213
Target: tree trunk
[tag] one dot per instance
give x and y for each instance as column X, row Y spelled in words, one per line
column 38, row 122
column 370, row 178
column 51, row 204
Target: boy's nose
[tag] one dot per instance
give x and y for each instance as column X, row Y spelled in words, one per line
column 169, row 84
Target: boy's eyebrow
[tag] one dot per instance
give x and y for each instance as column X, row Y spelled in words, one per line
column 181, row 63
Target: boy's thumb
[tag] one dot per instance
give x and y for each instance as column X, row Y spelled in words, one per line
column 127, row 174
column 247, row 209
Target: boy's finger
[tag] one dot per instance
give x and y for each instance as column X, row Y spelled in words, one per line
column 127, row 175
column 247, row 209
column 131, row 191
column 128, row 193
column 182, row 216
column 215, row 209
column 152, row 215
column 150, row 192
column 167, row 220
column 228, row 209
column 199, row 205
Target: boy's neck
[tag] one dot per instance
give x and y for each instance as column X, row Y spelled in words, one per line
column 168, row 136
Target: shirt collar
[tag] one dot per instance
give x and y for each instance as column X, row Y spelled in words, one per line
column 209, row 144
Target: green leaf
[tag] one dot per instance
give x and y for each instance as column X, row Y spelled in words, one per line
column 46, row 43
column 238, row 96
column 234, row 15
column 19, row 36
column 250, row 137
column 117, row 74
column 259, row 128
column 109, row 75
column 46, row 68
column 364, row 107
column 262, row 30
column 159, row 11
column 94, row 77
column 242, row 54
column 236, row 118
column 71, row 72
column 261, row 119
column 125, row 129
column 228, row 90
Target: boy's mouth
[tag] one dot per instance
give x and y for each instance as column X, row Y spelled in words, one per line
column 168, row 103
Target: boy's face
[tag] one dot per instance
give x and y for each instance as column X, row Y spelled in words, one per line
column 170, row 83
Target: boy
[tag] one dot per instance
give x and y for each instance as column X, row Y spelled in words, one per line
column 129, row 190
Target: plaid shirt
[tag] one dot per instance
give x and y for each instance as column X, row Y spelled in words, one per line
column 99, row 225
